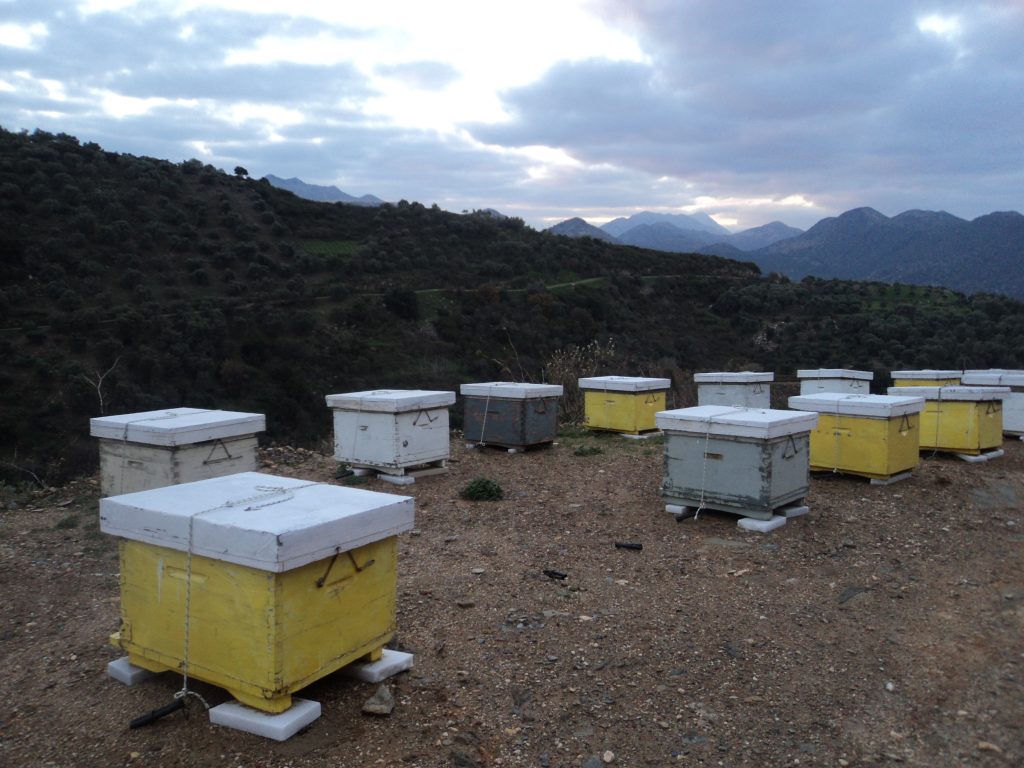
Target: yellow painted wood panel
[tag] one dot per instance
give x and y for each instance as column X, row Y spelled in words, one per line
column 859, row 445
column 951, row 381
column 630, row 412
column 961, row 426
column 261, row 635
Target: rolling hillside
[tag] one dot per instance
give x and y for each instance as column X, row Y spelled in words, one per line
column 132, row 283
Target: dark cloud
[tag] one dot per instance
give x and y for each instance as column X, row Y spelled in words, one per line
column 845, row 104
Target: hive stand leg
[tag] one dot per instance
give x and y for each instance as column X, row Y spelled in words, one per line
column 372, row 656
column 274, row 706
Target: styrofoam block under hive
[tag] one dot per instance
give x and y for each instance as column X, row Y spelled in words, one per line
column 625, row 404
column 279, row 727
column 747, row 389
column 388, row 665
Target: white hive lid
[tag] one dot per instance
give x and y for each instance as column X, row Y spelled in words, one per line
column 177, row 426
column 733, row 377
column 623, row 384
column 993, row 378
column 258, row 520
column 511, row 390
column 885, row 406
column 391, row 400
column 925, row 373
column 727, row 421
column 966, row 394
column 834, row 373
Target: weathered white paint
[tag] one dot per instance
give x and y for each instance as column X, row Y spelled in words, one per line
column 258, row 520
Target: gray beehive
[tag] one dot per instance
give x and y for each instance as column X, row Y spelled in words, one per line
column 154, row 449
column 746, row 461
column 741, row 389
column 510, row 414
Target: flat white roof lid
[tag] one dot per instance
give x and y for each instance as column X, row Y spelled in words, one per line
column 834, row 373
column 925, row 373
column 511, row 389
column 177, row 426
column 884, row 406
column 624, row 384
column 732, row 377
column 727, row 421
column 993, row 378
column 262, row 521
column 969, row 394
column 391, row 400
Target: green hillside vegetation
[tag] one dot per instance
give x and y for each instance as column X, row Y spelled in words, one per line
column 131, row 284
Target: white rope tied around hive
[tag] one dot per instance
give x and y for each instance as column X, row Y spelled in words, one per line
column 938, row 418
column 483, row 424
column 835, row 434
column 273, row 494
column 704, row 470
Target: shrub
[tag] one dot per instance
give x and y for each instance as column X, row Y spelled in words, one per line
column 482, row 489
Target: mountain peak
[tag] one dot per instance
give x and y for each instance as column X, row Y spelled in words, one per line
column 322, row 194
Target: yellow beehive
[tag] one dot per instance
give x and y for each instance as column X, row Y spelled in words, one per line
column 624, row 404
column 875, row 436
column 963, row 420
column 926, row 377
column 287, row 581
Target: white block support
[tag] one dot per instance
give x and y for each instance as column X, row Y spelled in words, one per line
column 397, row 479
column 361, row 472
column 761, row 526
column 642, row 435
column 893, row 479
column 279, row 727
column 390, row 664
column 796, row 511
column 677, row 509
column 127, row 673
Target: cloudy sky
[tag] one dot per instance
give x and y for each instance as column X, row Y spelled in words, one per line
column 749, row 111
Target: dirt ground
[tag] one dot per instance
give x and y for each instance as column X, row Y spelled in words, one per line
column 885, row 627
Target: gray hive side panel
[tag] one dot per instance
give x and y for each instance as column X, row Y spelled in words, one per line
column 748, row 477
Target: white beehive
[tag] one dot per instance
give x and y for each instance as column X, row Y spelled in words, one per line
column 816, row 381
column 741, row 389
column 747, row 461
column 1013, row 401
column 153, row 449
column 392, row 430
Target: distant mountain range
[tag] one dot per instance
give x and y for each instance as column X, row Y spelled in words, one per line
column 679, row 233
column 320, row 193
column 916, row 247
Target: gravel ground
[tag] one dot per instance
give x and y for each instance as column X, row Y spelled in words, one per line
column 885, row 627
